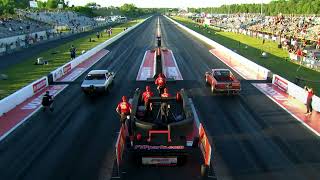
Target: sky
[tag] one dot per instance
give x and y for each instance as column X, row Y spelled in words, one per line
column 166, row 3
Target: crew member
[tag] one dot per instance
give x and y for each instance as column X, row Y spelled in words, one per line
column 145, row 97
column 73, row 52
column 309, row 100
column 123, row 109
column 161, row 83
column 165, row 106
column 165, row 93
column 47, row 101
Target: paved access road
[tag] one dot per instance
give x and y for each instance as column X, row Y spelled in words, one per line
column 253, row 137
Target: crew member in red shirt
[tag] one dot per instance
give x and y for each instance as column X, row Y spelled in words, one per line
column 161, row 83
column 123, row 109
column 145, row 97
column 165, row 93
column 309, row 100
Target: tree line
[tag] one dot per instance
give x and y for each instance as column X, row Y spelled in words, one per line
column 91, row 9
column 273, row 8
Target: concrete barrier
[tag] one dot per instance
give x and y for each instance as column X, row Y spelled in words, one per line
column 28, row 91
column 265, row 73
column 295, row 91
column 21, row 95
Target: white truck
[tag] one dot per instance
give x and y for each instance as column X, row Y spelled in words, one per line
column 97, row 81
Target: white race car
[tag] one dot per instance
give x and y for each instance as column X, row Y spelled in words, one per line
column 97, row 81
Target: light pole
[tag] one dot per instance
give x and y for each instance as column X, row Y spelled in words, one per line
column 261, row 6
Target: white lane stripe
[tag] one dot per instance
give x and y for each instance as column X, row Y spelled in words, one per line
column 293, row 115
column 175, row 62
column 154, row 64
column 143, row 60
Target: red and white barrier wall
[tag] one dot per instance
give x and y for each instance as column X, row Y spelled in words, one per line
column 28, row 91
column 295, row 91
column 20, row 96
column 265, row 73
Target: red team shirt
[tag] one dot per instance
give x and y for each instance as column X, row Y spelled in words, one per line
column 124, row 107
column 160, row 81
column 146, row 95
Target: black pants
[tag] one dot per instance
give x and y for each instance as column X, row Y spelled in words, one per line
column 164, row 112
column 160, row 90
column 123, row 118
column 309, row 106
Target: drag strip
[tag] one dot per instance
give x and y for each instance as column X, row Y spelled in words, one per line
column 253, row 138
column 72, row 142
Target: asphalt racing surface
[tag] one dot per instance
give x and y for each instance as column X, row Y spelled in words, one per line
column 253, row 138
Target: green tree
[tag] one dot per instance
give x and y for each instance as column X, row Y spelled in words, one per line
column 52, row 4
column 129, row 10
column 41, row 4
column 8, row 6
column 1, row 8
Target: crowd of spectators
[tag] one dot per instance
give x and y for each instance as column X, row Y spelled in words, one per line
column 300, row 35
column 13, row 26
column 35, row 26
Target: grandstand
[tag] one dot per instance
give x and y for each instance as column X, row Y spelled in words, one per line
column 68, row 19
column 31, row 26
column 18, row 26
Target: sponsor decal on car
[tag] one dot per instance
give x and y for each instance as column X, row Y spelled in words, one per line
column 148, row 147
column 120, row 145
column 159, row 160
column 204, row 145
column 39, row 85
column 283, row 85
column 67, row 68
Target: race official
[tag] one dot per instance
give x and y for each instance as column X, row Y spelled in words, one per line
column 145, row 97
column 123, row 109
column 309, row 100
column 161, row 83
column 47, row 101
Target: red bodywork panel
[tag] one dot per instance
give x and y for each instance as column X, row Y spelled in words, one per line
column 222, row 83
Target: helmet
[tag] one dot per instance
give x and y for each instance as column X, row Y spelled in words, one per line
column 124, row 99
column 47, row 92
column 165, row 90
column 148, row 88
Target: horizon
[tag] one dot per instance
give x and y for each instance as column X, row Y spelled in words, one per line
column 167, row 3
